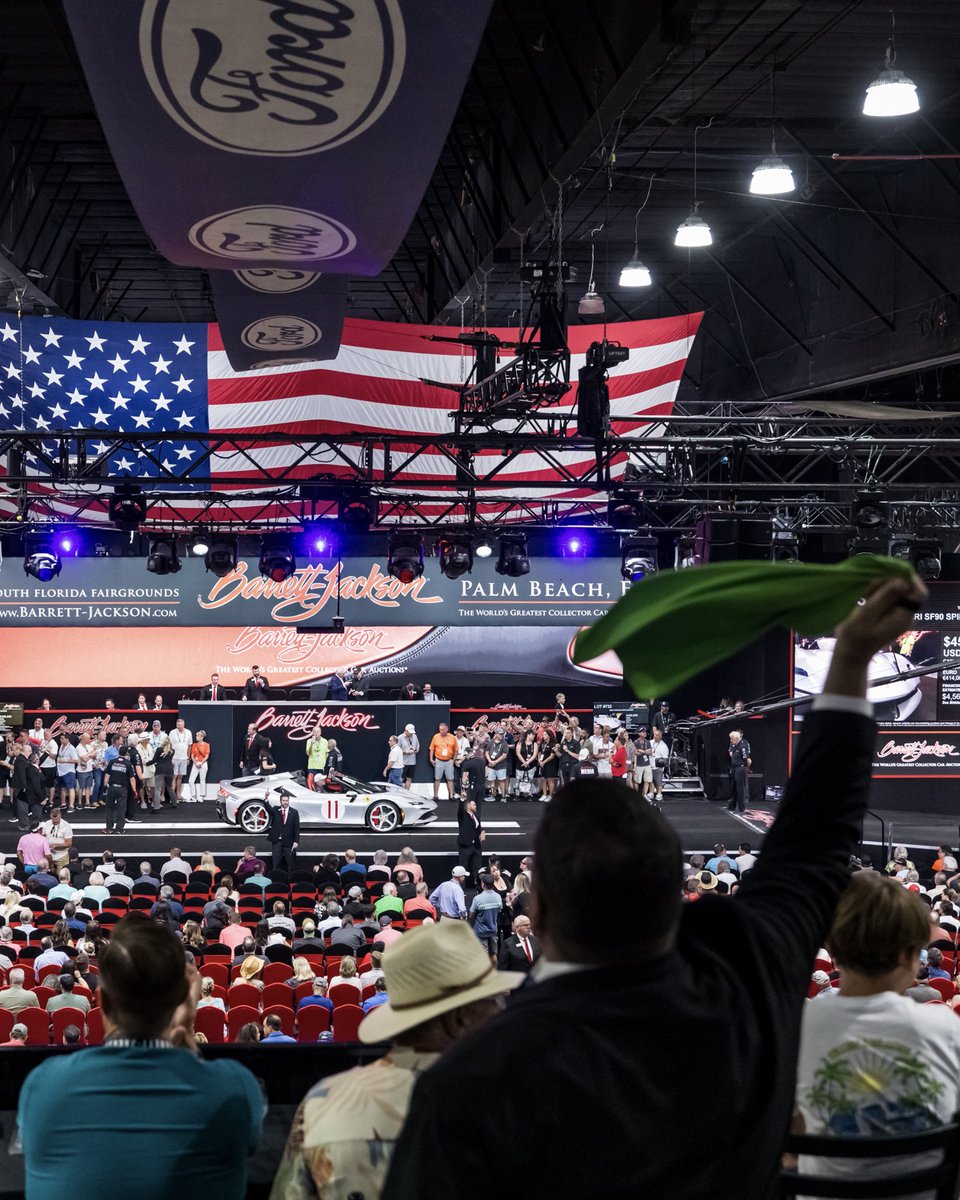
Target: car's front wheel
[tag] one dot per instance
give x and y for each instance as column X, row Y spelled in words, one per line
column 254, row 816
column 383, row 817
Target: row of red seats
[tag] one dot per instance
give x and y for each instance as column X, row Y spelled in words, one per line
column 309, row 1023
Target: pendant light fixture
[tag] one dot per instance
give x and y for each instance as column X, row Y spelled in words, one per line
column 891, row 94
column 694, row 231
column 773, row 176
column 636, row 273
column 591, row 302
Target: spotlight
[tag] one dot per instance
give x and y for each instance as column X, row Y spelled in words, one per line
column 513, row 559
column 127, row 507
column 483, row 546
column 693, row 232
column 357, row 513
column 198, row 544
column 277, row 560
column 318, row 539
column 162, row 558
column 922, row 552
column 221, row 557
column 40, row 558
column 868, row 511
column 772, row 178
column 456, row 557
column 638, row 558
column 784, row 546
column 574, row 545
column 67, row 543
column 405, row 557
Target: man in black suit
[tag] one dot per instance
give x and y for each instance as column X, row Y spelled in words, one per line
column 257, row 686
column 470, row 838
column 213, row 690
column 336, row 688
column 521, row 951
column 284, row 833
column 724, row 978
column 254, row 745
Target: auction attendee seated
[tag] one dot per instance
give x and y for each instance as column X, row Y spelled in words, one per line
column 386, row 935
column 309, row 943
column 273, row 1031
column 376, row 969
column 333, row 918
column 42, row 880
column 419, row 906
column 64, row 889
column 132, row 1099
column 873, row 1061
column 346, row 1127
column 348, row 974
column 611, row 1001
column 232, row 936
column 328, row 871
column 95, row 889
column 348, row 938
column 250, row 968
column 146, row 875
column 176, row 865
column 280, row 920
column 16, row 996
column 352, row 872
column 68, row 998
column 247, row 949
column 18, row 1036
column 168, row 897
column 207, row 998
column 379, row 996
column 319, row 997
column 389, row 902
column 49, row 956
column 248, row 864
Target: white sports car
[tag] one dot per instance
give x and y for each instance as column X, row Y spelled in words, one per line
column 380, row 807
column 892, row 701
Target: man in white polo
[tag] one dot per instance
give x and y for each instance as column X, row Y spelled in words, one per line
column 181, row 739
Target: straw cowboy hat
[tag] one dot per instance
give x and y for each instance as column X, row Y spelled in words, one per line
column 429, row 971
column 250, row 967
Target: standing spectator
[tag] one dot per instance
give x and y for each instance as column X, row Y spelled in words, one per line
column 147, row 1063
column 334, row 763
column 470, row 837
column 86, row 756
column 410, row 747
column 67, row 760
column 181, row 739
column 443, row 750
column 740, row 763
column 496, row 755
column 484, row 914
column 337, row 687
column 257, row 686
column 199, row 763
column 473, row 777
column 659, row 758
column 643, row 769
column 48, row 764
column 521, row 951
column 118, row 785
column 570, row 747
column 284, row 833
column 162, row 762
column 527, row 758
column 28, row 782
column 618, row 755
column 393, row 771
column 99, row 766
column 148, row 772
column 448, row 898
column 317, row 750
column 549, row 763
column 31, row 848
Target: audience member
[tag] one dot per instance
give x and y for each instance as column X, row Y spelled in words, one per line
column 273, row 1031
column 68, row 998
column 15, row 996
column 18, row 1035
column 448, row 898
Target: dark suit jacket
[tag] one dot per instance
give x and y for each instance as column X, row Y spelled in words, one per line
column 512, row 957
column 251, row 691
column 336, row 689
column 284, row 834
column 251, row 754
column 206, row 693
column 731, row 992
column 468, row 834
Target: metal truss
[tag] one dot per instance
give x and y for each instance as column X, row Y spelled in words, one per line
column 519, row 392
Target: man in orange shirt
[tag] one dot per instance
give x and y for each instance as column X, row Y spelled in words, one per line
column 443, row 750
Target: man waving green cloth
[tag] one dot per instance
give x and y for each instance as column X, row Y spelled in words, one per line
column 675, row 624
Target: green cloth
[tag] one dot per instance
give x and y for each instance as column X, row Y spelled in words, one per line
column 675, row 624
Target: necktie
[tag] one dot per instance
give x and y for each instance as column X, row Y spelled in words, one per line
column 526, row 950
column 284, row 816
column 213, row 694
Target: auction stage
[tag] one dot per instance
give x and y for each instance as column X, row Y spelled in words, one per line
column 510, row 829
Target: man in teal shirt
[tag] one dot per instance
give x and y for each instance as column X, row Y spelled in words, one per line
column 163, row 1121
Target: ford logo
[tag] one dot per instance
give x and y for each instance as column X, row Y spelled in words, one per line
column 273, row 77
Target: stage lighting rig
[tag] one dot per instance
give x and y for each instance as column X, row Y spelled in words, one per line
column 221, row 557
column 41, row 558
column 593, row 399
column 483, row 546
column 923, row 551
column 456, row 556
column 405, row 557
column 162, row 558
column 638, row 558
column 513, row 559
column 784, row 546
column 199, row 544
column 357, row 513
column 277, row 560
column 127, row 507
column 869, row 514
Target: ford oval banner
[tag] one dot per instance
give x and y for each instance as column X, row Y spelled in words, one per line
column 287, row 134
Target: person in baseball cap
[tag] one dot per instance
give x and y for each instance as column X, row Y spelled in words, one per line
column 441, row 986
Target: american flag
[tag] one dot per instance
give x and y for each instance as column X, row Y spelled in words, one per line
column 59, row 375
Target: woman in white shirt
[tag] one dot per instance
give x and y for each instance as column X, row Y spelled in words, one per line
column 348, row 974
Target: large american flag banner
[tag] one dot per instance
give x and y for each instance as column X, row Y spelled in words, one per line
column 166, row 379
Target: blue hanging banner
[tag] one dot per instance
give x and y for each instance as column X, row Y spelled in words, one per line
column 277, row 133
column 273, row 318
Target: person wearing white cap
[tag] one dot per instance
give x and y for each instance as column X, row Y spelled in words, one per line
column 409, row 745
column 441, row 986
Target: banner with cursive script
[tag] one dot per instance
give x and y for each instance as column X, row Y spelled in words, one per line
column 292, row 134
column 276, row 318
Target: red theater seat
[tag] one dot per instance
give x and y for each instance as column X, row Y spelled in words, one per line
column 346, row 1022
column 210, row 1022
column 240, row 1016
column 311, row 1022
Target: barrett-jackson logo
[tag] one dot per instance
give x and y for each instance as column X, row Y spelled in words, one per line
column 301, row 722
column 909, row 752
column 310, row 589
column 273, row 77
column 98, row 726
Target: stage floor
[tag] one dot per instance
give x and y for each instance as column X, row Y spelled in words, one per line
column 510, row 828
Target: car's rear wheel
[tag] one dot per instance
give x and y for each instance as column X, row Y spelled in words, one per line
column 383, row 817
column 254, row 817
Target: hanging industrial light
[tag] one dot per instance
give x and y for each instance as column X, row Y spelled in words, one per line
column 891, row 94
column 636, row 273
column 772, row 177
column 591, row 302
column 694, row 231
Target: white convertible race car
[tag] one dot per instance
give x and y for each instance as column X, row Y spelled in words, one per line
column 380, row 807
column 892, row 701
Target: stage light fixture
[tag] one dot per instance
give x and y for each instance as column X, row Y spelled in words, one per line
column 277, row 560
column 923, row 552
column 574, row 545
column 162, row 558
column 638, row 558
column 127, row 507
column 483, row 546
column 41, row 559
column 318, row 539
column 784, row 546
column 456, row 556
column 513, row 559
column 221, row 557
column 869, row 515
column 405, row 557
column 356, row 514
column 199, row 544
column 685, row 552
